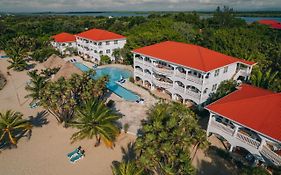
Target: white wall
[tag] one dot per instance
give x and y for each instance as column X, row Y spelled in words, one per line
column 61, row 46
column 95, row 49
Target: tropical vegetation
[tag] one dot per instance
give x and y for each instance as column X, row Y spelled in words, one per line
column 3, row 81
column 166, row 138
column 94, row 119
column 12, row 127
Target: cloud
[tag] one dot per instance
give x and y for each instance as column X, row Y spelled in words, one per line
column 134, row 5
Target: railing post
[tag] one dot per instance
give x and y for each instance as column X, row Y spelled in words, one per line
column 236, row 130
column 263, row 142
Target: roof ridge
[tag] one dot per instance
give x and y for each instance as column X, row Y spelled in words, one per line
column 249, row 98
column 202, row 60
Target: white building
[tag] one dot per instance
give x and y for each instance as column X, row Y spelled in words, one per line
column 186, row 72
column 93, row 43
column 64, row 41
column 249, row 118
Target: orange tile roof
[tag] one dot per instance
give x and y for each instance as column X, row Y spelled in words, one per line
column 267, row 22
column 253, row 107
column 64, row 37
column 100, row 35
column 189, row 55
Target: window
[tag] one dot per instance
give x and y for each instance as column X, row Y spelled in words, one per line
column 101, row 52
column 100, row 43
column 225, row 69
column 107, row 42
column 95, row 43
column 108, row 51
column 214, row 87
column 115, row 41
column 217, row 72
column 95, row 51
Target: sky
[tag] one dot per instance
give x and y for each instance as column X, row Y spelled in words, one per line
column 133, row 5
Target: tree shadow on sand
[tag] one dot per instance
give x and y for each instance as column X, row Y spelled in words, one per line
column 129, row 154
column 39, row 120
column 217, row 165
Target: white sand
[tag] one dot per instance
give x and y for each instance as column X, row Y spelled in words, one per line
column 45, row 153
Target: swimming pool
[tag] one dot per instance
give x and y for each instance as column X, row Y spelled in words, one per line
column 114, row 74
column 4, row 56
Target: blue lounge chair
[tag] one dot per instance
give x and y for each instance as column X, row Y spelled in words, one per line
column 77, row 156
column 73, row 152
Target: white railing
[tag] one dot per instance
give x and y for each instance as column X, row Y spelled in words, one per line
column 246, row 139
column 222, row 127
column 139, row 71
column 272, row 156
column 179, row 89
column 147, row 75
column 147, row 63
column 181, row 75
column 194, row 79
column 193, row 94
column 163, row 70
column 162, row 84
column 139, row 61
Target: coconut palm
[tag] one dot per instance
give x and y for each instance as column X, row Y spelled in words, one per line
column 16, row 58
column 95, row 119
column 36, row 85
column 263, row 79
column 12, row 126
column 126, row 168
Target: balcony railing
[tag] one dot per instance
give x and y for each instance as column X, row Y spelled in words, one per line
column 139, row 71
column 194, row 79
column 193, row 94
column 272, row 156
column 162, row 84
column 254, row 143
column 147, row 63
column 181, row 75
column 162, row 70
column 222, row 127
column 179, row 89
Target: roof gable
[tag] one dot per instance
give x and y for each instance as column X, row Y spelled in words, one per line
column 253, row 107
column 99, row 35
column 189, row 55
column 64, row 37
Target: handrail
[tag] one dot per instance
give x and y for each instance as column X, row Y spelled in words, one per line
column 194, row 79
column 193, row 94
column 275, row 158
column 223, row 128
column 162, row 84
column 248, row 140
column 161, row 70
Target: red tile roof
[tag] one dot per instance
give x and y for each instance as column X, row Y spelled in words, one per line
column 267, row 22
column 99, row 35
column 189, row 55
column 272, row 23
column 252, row 107
column 276, row 26
column 64, row 37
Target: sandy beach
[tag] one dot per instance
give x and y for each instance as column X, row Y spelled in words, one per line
column 45, row 152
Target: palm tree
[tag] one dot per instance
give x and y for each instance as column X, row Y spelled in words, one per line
column 263, row 79
column 12, row 126
column 16, row 56
column 126, row 168
column 95, row 119
column 36, row 86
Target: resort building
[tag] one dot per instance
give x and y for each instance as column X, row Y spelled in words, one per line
column 271, row 23
column 64, row 42
column 186, row 72
column 249, row 118
column 93, row 43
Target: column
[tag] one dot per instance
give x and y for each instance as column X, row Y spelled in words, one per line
column 209, row 123
column 236, row 130
column 231, row 148
column 263, row 142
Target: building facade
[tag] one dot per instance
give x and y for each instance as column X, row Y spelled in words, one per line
column 185, row 72
column 249, row 118
column 93, row 43
column 64, row 42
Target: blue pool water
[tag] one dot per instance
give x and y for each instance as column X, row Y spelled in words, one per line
column 4, row 56
column 114, row 75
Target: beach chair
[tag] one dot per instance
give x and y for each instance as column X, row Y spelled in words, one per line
column 69, row 155
column 76, row 157
column 33, row 105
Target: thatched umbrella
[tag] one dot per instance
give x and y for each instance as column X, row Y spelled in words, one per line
column 66, row 71
column 54, row 61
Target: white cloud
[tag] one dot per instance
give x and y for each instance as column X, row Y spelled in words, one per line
column 134, row 5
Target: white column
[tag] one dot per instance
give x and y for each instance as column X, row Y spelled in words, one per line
column 209, row 123
column 236, row 130
column 231, row 148
column 263, row 142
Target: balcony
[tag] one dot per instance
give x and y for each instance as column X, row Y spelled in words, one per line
column 272, row 156
column 147, row 63
column 162, row 84
column 246, row 139
column 181, row 75
column 139, row 71
column 222, row 127
column 164, row 71
column 179, row 89
column 194, row 79
column 192, row 94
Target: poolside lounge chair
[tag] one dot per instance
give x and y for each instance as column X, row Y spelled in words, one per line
column 69, row 155
column 77, row 156
column 33, row 105
column 74, row 60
